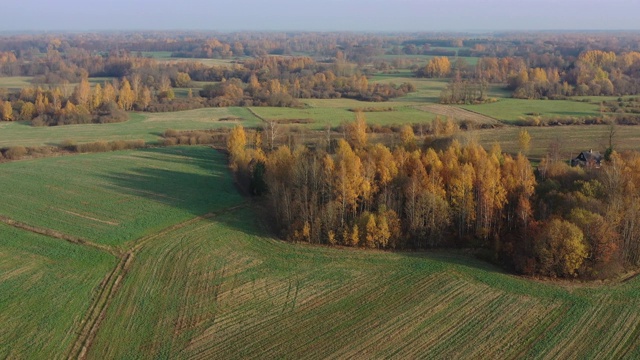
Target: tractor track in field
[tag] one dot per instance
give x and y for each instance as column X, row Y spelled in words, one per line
column 57, row 235
column 90, row 324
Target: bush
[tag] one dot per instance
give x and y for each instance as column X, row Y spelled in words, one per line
column 15, row 152
column 69, row 145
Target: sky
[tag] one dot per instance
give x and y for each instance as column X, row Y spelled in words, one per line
column 319, row 15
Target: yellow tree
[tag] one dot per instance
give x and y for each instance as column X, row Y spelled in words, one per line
column 371, row 231
column 82, row 93
column 524, row 141
column 28, row 111
column 407, row 137
column 356, row 132
column 236, row 146
column 349, row 180
column 126, row 97
column 6, row 111
column 438, row 67
column 96, row 97
column 561, row 248
column 108, row 93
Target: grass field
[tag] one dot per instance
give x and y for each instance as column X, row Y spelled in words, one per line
column 114, row 198
column 322, row 115
column 508, row 110
column 147, row 126
column 46, row 285
column 15, row 82
column 165, row 56
column 219, row 286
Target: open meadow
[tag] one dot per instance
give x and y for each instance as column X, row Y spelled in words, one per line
column 146, row 126
column 191, row 272
column 114, row 198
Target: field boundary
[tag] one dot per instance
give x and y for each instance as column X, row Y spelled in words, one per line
column 57, row 235
column 256, row 114
column 90, row 323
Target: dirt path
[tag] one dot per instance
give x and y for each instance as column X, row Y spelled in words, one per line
column 112, row 282
column 458, row 113
column 57, row 235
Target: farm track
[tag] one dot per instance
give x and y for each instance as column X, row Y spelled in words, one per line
column 90, row 324
column 256, row 115
column 58, row 235
column 458, row 113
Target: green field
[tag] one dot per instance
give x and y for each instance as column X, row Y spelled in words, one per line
column 147, row 126
column 509, row 110
column 114, row 198
column 221, row 287
column 46, row 286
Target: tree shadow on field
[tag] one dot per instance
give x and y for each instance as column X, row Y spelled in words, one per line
column 196, row 193
column 465, row 260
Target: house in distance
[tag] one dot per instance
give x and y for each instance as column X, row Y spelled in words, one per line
column 587, row 159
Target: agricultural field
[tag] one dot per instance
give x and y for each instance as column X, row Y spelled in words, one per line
column 15, row 82
column 46, row 286
column 180, row 266
column 165, row 56
column 219, row 288
column 510, row 110
column 571, row 139
column 146, row 126
column 113, row 198
column 319, row 117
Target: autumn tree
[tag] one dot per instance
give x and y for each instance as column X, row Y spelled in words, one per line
column 236, row 144
column 127, row 97
column 438, row 67
column 6, row 111
column 524, row 141
column 560, row 248
column 82, row 93
column 356, row 132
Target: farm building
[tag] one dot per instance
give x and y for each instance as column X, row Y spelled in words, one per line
column 588, row 159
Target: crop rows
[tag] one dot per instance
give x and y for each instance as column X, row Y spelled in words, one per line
column 212, row 290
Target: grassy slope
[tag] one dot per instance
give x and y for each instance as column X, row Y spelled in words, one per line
column 46, row 286
column 116, row 197
column 140, row 126
column 219, row 289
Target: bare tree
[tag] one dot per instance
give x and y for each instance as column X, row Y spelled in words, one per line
column 272, row 130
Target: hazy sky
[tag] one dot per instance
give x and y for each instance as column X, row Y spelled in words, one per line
column 328, row 15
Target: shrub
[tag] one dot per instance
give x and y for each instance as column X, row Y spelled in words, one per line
column 15, row 152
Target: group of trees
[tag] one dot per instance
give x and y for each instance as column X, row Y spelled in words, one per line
column 563, row 222
column 593, row 72
column 84, row 105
